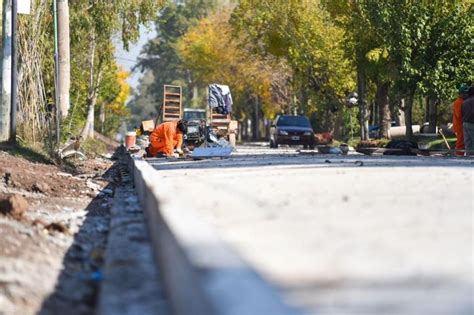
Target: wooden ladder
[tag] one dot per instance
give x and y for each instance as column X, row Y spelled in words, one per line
column 172, row 103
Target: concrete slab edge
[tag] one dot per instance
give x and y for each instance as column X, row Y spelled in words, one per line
column 201, row 274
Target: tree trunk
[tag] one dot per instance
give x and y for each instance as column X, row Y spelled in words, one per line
column 408, row 115
column 427, row 109
column 88, row 131
column 363, row 116
column 102, row 117
column 384, row 109
column 432, row 115
column 255, row 122
column 339, row 124
column 64, row 80
column 195, row 95
column 245, row 129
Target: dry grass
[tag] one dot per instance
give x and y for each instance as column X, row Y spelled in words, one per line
column 32, row 116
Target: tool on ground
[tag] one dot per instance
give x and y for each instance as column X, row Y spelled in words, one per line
column 444, row 138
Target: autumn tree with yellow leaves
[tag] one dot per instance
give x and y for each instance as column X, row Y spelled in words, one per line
column 215, row 55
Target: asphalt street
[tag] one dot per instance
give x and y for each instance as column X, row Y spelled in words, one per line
column 342, row 235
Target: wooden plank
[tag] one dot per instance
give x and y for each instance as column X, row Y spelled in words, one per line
column 218, row 121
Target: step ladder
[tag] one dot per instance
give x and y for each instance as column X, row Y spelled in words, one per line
column 172, row 103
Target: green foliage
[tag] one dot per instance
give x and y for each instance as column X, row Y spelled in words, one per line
column 429, row 42
column 93, row 147
column 213, row 55
column 303, row 35
column 98, row 22
column 32, row 153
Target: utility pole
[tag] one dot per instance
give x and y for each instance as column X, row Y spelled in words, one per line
column 14, row 70
column 56, row 74
column 5, row 102
column 64, row 79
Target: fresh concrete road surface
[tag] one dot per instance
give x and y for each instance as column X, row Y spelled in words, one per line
column 342, row 235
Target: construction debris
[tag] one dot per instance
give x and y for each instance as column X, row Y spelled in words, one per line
column 215, row 152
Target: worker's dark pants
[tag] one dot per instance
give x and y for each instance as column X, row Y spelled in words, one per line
column 468, row 129
column 148, row 154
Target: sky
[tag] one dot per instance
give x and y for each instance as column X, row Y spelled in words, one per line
column 128, row 59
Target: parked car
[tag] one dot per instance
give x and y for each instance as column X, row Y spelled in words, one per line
column 291, row 130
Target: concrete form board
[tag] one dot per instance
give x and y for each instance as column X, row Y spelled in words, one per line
column 201, row 275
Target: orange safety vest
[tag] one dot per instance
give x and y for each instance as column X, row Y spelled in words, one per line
column 457, row 125
column 457, row 116
column 165, row 138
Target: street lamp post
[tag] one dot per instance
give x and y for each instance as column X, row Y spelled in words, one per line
column 351, row 101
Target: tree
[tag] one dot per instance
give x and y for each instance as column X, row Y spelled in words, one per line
column 160, row 56
column 64, row 80
column 96, row 25
column 213, row 54
column 302, row 34
column 429, row 43
column 112, row 100
column 368, row 55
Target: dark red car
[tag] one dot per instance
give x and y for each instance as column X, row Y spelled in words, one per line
column 291, row 130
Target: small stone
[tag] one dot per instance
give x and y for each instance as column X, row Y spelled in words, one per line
column 93, row 185
column 40, row 188
column 13, row 205
column 56, row 227
column 7, row 177
column 38, row 222
column 108, row 191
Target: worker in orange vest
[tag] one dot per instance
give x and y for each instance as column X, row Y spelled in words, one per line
column 457, row 119
column 166, row 138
